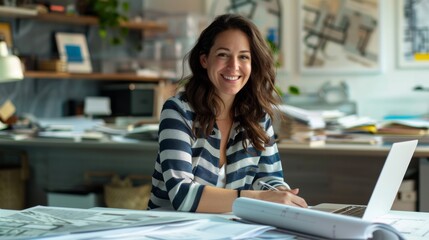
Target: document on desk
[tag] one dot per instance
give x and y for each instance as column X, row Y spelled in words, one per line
column 413, row 225
column 312, row 223
column 68, row 223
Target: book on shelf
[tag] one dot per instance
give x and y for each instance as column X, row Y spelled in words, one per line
column 311, row 224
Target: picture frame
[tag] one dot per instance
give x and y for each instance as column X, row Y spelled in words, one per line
column 413, row 38
column 339, row 37
column 6, row 32
column 269, row 18
column 73, row 49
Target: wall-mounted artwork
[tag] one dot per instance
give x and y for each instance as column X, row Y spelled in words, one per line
column 73, row 49
column 413, row 33
column 267, row 16
column 339, row 36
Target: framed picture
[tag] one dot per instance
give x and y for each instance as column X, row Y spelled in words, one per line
column 339, row 36
column 267, row 15
column 6, row 34
column 73, row 49
column 413, row 34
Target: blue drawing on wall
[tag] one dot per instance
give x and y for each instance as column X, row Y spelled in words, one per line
column 73, row 53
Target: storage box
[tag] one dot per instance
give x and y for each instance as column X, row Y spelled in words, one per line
column 75, row 199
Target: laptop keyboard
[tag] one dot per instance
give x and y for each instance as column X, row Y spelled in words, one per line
column 355, row 211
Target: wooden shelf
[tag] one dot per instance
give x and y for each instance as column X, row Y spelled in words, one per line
column 91, row 76
column 90, row 20
column 16, row 12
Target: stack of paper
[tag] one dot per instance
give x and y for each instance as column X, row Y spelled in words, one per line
column 68, row 223
column 301, row 126
column 405, row 127
column 365, row 139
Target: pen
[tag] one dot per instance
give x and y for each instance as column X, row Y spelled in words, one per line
column 271, row 187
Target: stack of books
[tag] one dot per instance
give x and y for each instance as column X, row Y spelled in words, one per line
column 405, row 127
column 403, row 130
column 301, row 127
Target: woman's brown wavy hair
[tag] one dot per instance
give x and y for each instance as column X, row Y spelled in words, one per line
column 257, row 97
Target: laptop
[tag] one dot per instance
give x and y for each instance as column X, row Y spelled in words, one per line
column 385, row 189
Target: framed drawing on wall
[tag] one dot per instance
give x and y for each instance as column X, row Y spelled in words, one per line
column 267, row 15
column 6, row 34
column 413, row 33
column 73, row 49
column 339, row 36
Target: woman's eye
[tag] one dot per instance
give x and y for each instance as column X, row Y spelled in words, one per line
column 222, row 55
column 245, row 57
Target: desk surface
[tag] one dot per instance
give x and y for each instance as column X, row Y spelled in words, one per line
column 413, row 225
column 347, row 149
column 340, row 149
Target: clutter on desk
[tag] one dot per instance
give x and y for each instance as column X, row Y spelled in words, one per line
column 404, row 127
column 296, row 130
column 344, row 138
column 105, row 223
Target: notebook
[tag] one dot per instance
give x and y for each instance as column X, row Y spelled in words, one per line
column 385, row 189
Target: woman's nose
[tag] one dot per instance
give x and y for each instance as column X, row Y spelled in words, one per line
column 233, row 63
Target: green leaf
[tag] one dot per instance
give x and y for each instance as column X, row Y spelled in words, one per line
column 294, row 90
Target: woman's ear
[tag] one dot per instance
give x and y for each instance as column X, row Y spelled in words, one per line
column 203, row 60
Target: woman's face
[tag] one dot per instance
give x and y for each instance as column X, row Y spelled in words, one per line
column 228, row 63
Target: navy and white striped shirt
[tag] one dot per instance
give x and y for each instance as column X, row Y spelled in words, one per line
column 186, row 164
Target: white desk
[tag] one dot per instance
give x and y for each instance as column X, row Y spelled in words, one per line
column 413, row 225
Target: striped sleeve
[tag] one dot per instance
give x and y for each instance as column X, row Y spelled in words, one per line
column 270, row 166
column 175, row 156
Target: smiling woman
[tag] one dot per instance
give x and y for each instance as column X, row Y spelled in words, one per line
column 216, row 140
column 228, row 64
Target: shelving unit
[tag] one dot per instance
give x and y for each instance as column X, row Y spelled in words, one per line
column 15, row 12
column 144, row 25
column 91, row 76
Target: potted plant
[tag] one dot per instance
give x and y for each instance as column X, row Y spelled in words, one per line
column 110, row 14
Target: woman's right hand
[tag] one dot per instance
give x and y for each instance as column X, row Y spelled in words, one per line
column 288, row 197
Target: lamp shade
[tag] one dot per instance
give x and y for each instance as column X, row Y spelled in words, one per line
column 10, row 65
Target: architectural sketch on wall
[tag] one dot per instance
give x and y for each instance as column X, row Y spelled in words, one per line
column 340, row 36
column 267, row 16
column 413, row 33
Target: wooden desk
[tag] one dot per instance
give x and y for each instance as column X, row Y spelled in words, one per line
column 331, row 173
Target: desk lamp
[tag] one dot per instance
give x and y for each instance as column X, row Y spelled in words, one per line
column 10, row 70
column 10, row 65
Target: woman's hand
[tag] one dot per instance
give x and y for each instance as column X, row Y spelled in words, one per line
column 289, row 197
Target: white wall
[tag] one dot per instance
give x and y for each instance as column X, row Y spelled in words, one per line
column 377, row 95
